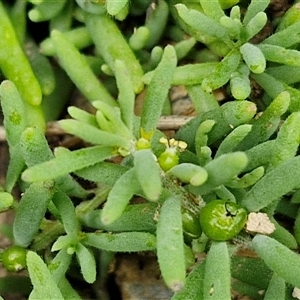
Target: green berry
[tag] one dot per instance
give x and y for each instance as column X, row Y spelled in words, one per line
column 191, row 225
column 222, row 220
column 14, row 258
column 168, row 159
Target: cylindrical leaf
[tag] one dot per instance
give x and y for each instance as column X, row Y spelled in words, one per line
column 122, row 242
column 221, row 74
column 67, row 163
column 35, row 150
column 6, row 200
column 119, row 196
column 14, row 63
column 193, row 288
column 45, row 10
column 281, row 55
column 233, row 139
column 66, row 209
column 31, row 210
column 216, row 283
column 126, row 93
column 92, row 134
column 267, row 123
column 287, row 141
column 149, row 181
column 189, row 173
column 201, row 23
column 114, row 7
column 256, row 24
column 286, row 37
column 60, row 264
column 254, row 8
column 231, row 165
column 254, row 58
column 276, row 289
column 157, row 91
column 87, row 263
column 78, row 69
column 240, row 87
column 189, row 74
column 170, row 250
column 104, row 172
column 78, row 36
column 283, row 261
column 233, row 113
column 212, row 9
column 136, row 217
column 43, row 283
column 14, row 112
column 111, row 45
column 156, row 22
column 272, row 187
column 247, row 180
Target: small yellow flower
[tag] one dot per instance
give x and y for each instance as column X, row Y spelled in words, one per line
column 172, row 143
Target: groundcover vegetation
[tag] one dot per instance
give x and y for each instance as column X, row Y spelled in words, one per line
column 225, row 184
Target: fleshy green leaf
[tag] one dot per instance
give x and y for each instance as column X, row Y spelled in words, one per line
column 126, row 96
column 233, row 139
column 66, row 209
column 93, row 134
column 13, row 109
column 189, row 173
column 221, row 74
column 267, row 123
column 287, row 141
column 280, row 55
column 149, row 181
column 157, row 91
column 202, row 23
column 276, row 288
column 35, row 150
column 193, row 288
column 67, row 163
column 231, row 165
column 104, row 172
column 233, row 113
column 41, row 278
column 170, row 250
column 272, row 187
column 212, row 9
column 87, row 263
column 216, row 282
column 254, row 8
column 119, row 196
column 136, row 217
column 60, row 264
column 122, row 242
column 31, row 210
column 283, row 261
column 286, row 37
column 254, row 58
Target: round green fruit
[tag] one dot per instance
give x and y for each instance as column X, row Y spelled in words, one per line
column 14, row 258
column 168, row 159
column 222, row 220
column 190, row 224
